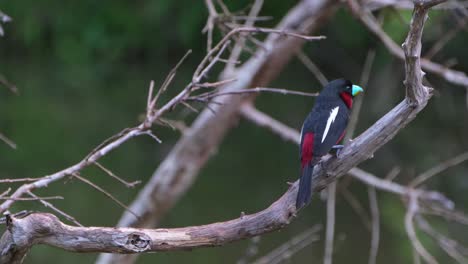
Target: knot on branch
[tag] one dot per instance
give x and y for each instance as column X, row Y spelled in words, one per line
column 135, row 242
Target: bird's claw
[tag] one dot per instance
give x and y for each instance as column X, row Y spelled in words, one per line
column 336, row 149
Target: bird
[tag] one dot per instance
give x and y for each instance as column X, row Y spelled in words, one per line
column 323, row 129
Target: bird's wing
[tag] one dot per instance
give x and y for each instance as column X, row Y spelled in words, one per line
column 331, row 129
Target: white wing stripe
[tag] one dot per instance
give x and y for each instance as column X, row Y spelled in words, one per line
column 331, row 119
column 300, row 138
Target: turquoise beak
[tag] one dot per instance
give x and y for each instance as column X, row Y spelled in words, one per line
column 356, row 90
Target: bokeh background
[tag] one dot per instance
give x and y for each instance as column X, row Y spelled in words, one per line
column 83, row 68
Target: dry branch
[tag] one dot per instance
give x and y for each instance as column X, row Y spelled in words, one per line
column 452, row 76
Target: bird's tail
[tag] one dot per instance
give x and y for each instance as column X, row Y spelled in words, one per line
column 305, row 186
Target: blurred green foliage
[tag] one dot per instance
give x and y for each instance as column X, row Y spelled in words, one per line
column 83, row 68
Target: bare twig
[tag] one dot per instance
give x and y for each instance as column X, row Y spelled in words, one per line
column 5, row 82
column 3, row 19
column 330, row 229
column 249, row 22
column 409, row 225
column 51, row 206
column 438, row 169
column 31, row 198
column 371, row 23
column 291, row 247
column 110, row 173
column 210, row 23
column 19, row 180
column 375, row 214
column 6, row 192
column 263, row 120
column 445, row 39
column 312, row 67
column 7, row 141
column 357, row 207
column 250, row 251
column 209, row 95
column 450, row 246
column 76, row 175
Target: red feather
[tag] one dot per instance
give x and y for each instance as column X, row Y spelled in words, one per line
column 307, row 149
column 347, row 99
column 341, row 137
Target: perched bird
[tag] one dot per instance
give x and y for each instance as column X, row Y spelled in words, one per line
column 323, row 128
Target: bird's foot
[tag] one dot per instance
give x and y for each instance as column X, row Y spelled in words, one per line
column 336, row 150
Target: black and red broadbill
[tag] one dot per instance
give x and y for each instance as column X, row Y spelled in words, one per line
column 323, row 128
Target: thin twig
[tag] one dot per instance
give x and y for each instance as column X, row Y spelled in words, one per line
column 442, row 41
column 358, row 101
column 250, row 251
column 249, row 22
column 452, row 76
column 330, row 229
column 210, row 23
column 31, row 198
column 375, row 216
column 264, row 120
column 76, row 175
column 6, row 83
column 166, row 82
column 291, row 247
column 8, row 141
column 51, row 206
column 310, row 65
column 438, row 169
column 409, row 226
column 357, row 207
column 110, row 173
column 450, row 246
column 6, row 192
column 213, row 94
column 19, row 180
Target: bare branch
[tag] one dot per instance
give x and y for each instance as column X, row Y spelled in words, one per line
column 7, row 141
column 251, row 251
column 409, row 225
column 51, row 206
column 76, row 175
column 374, row 206
column 330, row 230
column 210, row 95
column 438, row 169
column 110, row 173
column 312, row 67
column 291, row 247
column 371, row 23
column 3, row 19
column 357, row 207
column 263, row 120
column 31, row 198
column 450, row 246
column 249, row 22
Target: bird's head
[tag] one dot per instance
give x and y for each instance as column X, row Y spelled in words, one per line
column 345, row 89
column 340, row 86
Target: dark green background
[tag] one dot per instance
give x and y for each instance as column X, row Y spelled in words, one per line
column 83, row 69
